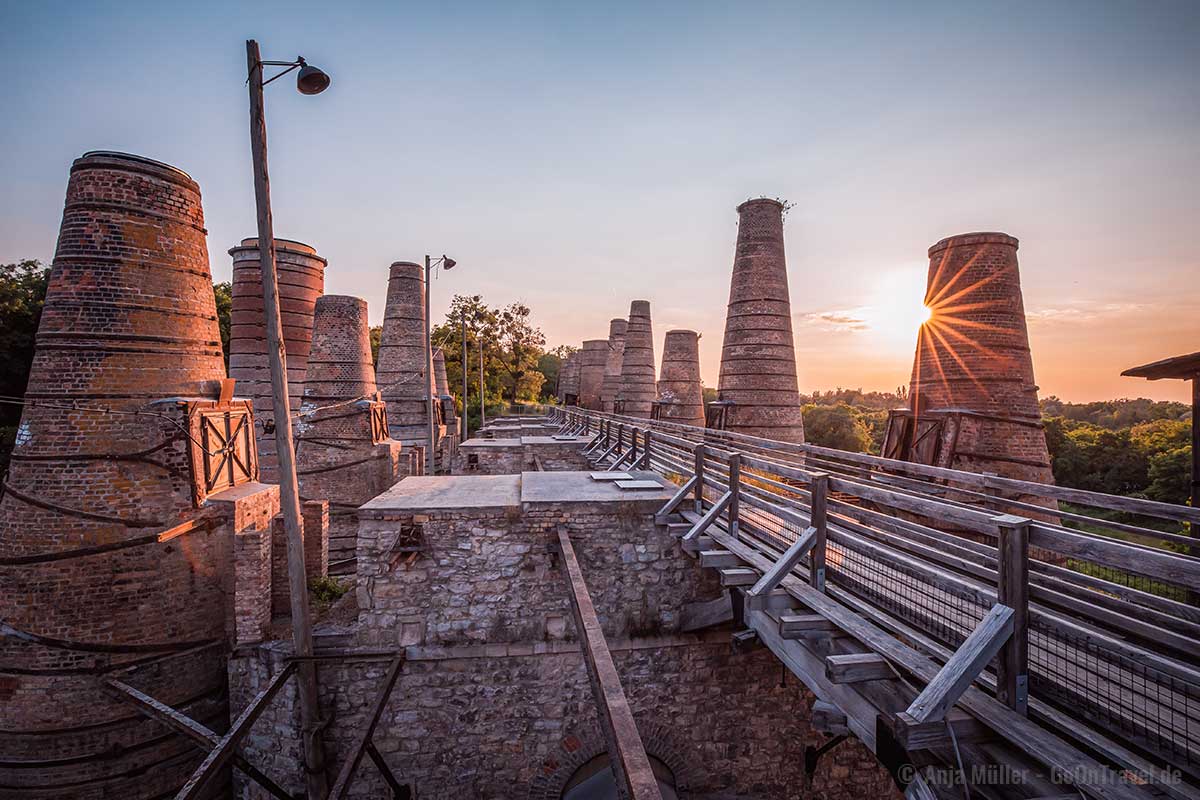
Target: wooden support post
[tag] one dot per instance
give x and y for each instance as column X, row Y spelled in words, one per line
column 756, row 597
column 1012, row 676
column 699, row 452
column 820, row 500
column 627, row 754
column 645, row 462
column 735, row 482
column 633, row 450
column 346, row 774
column 220, row 755
column 662, row 516
column 690, row 540
column 183, row 724
column 941, row 693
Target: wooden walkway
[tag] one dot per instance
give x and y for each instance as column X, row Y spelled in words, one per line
column 1105, row 681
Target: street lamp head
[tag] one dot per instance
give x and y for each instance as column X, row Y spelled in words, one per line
column 310, row 80
column 447, row 262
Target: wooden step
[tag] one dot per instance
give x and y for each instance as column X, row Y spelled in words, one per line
column 798, row 626
column 739, row 576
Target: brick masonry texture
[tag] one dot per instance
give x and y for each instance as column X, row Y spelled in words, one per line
column 638, row 390
column 301, row 278
column 340, row 456
column 568, row 381
column 494, row 700
column 592, row 360
column 680, row 391
column 973, row 354
column 513, row 456
column 401, row 372
column 129, row 326
column 758, row 357
column 611, row 384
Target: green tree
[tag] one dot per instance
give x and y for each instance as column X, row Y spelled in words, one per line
column 375, row 333
column 521, row 347
column 836, row 426
column 22, row 293
column 223, row 294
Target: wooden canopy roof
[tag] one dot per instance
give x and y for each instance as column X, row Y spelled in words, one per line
column 1184, row 367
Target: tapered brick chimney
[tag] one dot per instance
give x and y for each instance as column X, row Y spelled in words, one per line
column 343, row 451
column 638, row 390
column 758, row 358
column 680, row 391
column 612, row 364
column 103, row 467
column 445, row 396
column 973, row 369
column 402, row 372
column 592, row 359
column 301, row 279
column 568, row 382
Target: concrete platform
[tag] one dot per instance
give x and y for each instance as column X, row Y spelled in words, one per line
column 568, row 488
column 447, row 493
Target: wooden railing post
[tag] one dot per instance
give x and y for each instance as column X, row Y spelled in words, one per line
column 735, row 482
column 819, row 487
column 699, row 453
column 645, row 462
column 1012, row 678
column 633, row 453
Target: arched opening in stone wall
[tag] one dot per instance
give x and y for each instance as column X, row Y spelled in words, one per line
column 594, row 780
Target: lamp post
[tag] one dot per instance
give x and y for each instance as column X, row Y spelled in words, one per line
column 466, row 426
column 309, row 80
column 446, row 263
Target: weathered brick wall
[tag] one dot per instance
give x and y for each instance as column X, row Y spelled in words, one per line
column 489, row 457
column 314, row 528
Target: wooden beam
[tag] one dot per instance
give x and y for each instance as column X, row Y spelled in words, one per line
column 828, row 719
column 399, row 790
column 1012, row 676
column 797, row 626
column 661, row 517
column 819, row 488
column 719, row 559
column 200, row 735
column 706, row 613
column 700, row 527
column 941, row 693
column 738, row 576
column 346, row 773
column 774, row 576
column 858, row 667
column 220, row 755
column 913, row 735
column 626, row 752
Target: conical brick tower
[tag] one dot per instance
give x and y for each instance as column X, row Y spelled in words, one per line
column 103, row 468
column 402, row 372
column 592, row 359
column 758, row 358
column 638, row 390
column 612, row 364
column 568, row 382
column 973, row 357
column 343, row 451
column 301, row 279
column 445, row 396
column 680, row 391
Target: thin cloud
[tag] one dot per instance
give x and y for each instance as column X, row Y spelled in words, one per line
column 838, row 319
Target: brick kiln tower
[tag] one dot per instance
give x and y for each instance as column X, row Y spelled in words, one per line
column 680, row 391
column 568, row 382
column 592, row 359
column 402, row 371
column 449, row 410
column 973, row 395
column 637, row 393
column 343, row 451
column 301, row 278
column 758, row 392
column 612, row 364
column 108, row 564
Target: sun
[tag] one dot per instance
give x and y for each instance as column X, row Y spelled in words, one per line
column 896, row 309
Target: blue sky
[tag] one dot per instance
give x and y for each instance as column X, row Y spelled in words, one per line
column 578, row 155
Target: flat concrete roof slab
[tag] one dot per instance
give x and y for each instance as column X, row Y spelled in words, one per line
column 578, row 487
column 550, row 440
column 447, row 493
column 490, row 443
